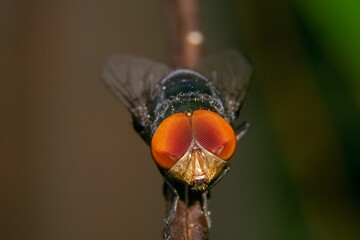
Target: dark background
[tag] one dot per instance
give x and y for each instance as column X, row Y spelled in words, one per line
column 71, row 167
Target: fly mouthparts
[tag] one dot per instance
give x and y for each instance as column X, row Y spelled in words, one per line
column 200, row 183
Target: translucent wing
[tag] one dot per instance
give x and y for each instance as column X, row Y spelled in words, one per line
column 134, row 81
column 230, row 72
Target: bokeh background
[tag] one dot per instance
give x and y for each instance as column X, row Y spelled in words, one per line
column 71, row 167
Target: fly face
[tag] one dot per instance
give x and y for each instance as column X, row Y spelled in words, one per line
column 190, row 120
column 193, row 147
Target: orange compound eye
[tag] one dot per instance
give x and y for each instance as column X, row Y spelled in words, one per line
column 213, row 133
column 171, row 140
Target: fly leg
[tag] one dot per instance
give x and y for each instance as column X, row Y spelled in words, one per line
column 241, row 130
column 171, row 213
column 205, row 208
column 205, row 195
column 217, row 180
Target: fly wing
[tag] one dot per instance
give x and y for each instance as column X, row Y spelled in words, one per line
column 230, row 73
column 134, row 81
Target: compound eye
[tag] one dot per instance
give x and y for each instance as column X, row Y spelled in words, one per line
column 213, row 133
column 171, row 140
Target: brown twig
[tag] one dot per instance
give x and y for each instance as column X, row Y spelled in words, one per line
column 186, row 41
column 184, row 32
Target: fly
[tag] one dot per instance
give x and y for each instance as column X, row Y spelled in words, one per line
column 188, row 117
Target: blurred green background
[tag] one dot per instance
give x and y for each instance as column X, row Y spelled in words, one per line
column 71, row 167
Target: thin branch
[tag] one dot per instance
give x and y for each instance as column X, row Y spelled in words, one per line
column 184, row 32
column 186, row 40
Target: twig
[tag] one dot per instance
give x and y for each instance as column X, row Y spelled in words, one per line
column 186, row 40
column 184, row 31
column 189, row 221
